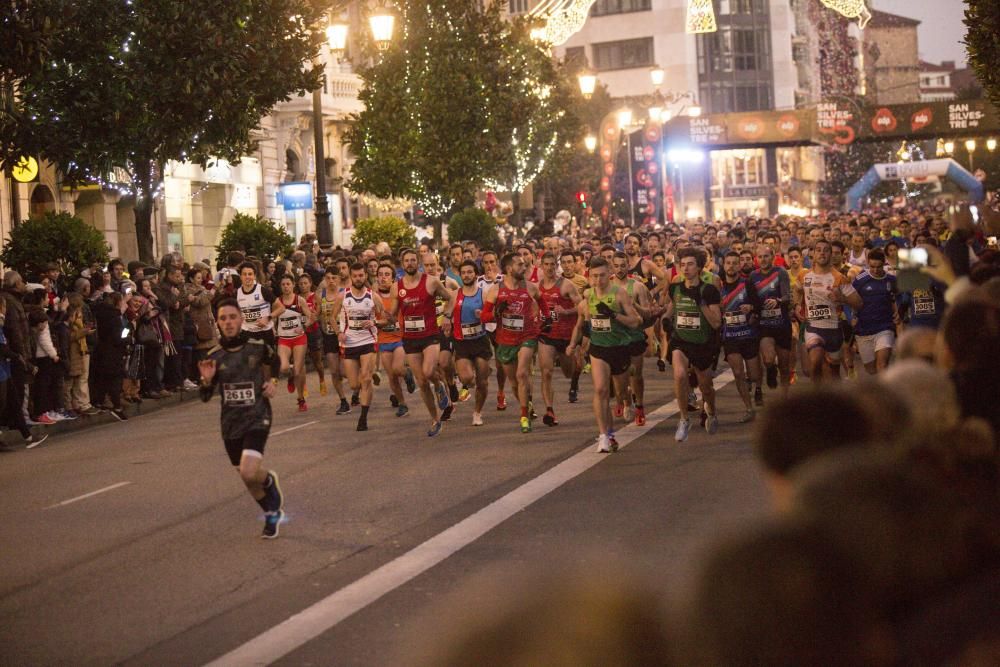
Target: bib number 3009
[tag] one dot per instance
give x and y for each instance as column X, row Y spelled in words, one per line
column 239, row 394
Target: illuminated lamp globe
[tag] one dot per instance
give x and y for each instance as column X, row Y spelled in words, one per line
column 970, row 145
column 656, row 75
column 336, row 36
column 624, row 118
column 382, row 23
column 590, row 141
column 588, row 82
column 694, row 111
column 991, row 145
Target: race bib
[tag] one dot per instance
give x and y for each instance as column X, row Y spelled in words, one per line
column 358, row 323
column 820, row 312
column 688, row 321
column 289, row 324
column 735, row 319
column 251, row 315
column 924, row 306
column 470, row 330
column 238, row 394
column 513, row 322
column 770, row 313
column 439, row 308
column 414, row 323
column 600, row 324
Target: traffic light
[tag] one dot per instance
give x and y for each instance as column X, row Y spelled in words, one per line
column 581, row 197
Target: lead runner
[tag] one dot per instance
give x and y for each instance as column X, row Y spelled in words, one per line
column 240, row 367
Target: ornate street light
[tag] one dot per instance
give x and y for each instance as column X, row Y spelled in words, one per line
column 336, row 37
column 588, row 82
column 657, row 75
column 970, row 145
column 655, row 112
column 949, row 147
column 624, row 118
column 382, row 23
column 991, row 145
column 590, row 141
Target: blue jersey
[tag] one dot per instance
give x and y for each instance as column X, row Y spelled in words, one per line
column 878, row 296
column 470, row 326
column 924, row 307
column 773, row 284
column 737, row 324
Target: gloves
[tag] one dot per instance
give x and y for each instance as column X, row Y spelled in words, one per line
column 604, row 310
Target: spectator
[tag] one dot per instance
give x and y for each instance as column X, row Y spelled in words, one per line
column 114, row 275
column 22, row 355
column 113, row 333
column 76, row 391
column 173, row 302
column 151, row 332
column 44, row 393
column 206, row 332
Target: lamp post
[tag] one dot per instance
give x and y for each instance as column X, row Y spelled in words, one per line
column 588, row 82
column 970, row 145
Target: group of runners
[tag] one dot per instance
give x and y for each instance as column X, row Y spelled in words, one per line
column 580, row 309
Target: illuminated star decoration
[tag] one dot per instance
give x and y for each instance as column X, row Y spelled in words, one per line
column 852, row 9
column 700, row 17
column 563, row 18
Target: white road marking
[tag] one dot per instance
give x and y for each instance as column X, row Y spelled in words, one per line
column 89, row 495
column 294, row 428
column 313, row 621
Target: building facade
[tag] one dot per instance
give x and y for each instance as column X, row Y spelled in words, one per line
column 936, row 83
column 893, row 66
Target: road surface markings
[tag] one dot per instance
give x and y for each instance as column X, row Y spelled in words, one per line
column 313, row 621
column 294, row 428
column 89, row 495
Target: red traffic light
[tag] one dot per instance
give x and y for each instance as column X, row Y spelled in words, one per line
column 581, row 198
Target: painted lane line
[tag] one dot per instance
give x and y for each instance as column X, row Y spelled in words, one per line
column 89, row 495
column 316, row 619
column 294, row 428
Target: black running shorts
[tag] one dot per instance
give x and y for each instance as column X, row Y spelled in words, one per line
column 253, row 441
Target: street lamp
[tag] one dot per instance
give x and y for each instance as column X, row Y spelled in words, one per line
column 970, row 145
column 588, row 82
column 590, row 141
column 694, row 111
column 382, row 23
column 991, row 145
column 655, row 113
column 657, row 75
column 624, row 118
column 336, row 37
column 949, row 147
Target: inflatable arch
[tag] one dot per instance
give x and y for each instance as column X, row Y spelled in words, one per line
column 897, row 170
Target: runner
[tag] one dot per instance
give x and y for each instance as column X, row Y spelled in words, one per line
column 293, row 317
column 514, row 305
column 609, row 312
column 390, row 345
column 492, row 276
column 240, row 367
column 878, row 316
column 822, row 290
column 413, row 297
column 632, row 393
column 446, row 359
column 472, row 345
column 327, row 296
column 255, row 302
column 695, row 315
column 644, row 270
column 773, row 287
column 314, row 338
column 739, row 332
column 559, row 300
column 570, row 262
column 358, row 336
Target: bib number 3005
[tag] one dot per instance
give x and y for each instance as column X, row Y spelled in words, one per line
column 239, row 394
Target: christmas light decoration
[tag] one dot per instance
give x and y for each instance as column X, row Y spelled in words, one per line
column 852, row 9
column 563, row 19
column 700, row 17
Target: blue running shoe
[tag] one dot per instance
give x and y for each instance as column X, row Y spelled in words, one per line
column 442, row 396
column 435, row 429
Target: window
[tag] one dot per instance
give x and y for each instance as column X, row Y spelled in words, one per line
column 576, row 58
column 605, row 7
column 623, row 55
column 518, row 6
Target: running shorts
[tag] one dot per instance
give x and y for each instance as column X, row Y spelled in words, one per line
column 314, row 340
column 637, row 348
column 390, row 347
column 617, row 357
column 782, row 335
column 507, row 354
column 418, row 345
column 252, row 441
column 748, row 348
column 869, row 345
column 559, row 343
column 292, row 342
column 358, row 351
column 700, row 356
column 473, row 348
column 331, row 344
column 831, row 340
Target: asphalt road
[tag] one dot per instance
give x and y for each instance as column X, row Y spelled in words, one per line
column 163, row 564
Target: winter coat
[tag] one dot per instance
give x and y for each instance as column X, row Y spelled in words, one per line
column 108, row 359
column 77, row 348
column 207, row 333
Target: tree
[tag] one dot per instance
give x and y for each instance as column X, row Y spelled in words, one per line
column 395, row 231
column 464, row 98
column 131, row 86
column 254, row 236
column 982, row 23
column 474, row 224
column 55, row 237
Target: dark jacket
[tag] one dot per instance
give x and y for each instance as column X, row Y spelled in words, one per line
column 109, row 356
column 16, row 327
column 174, row 313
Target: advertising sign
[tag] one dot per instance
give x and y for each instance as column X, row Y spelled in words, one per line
column 295, row 196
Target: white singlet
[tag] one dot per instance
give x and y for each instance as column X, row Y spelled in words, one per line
column 255, row 308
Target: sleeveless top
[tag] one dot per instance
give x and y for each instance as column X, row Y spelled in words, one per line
column 359, row 316
column 416, row 307
column 690, row 324
column 635, row 334
column 518, row 323
column 391, row 331
column 552, row 298
column 326, row 300
column 606, row 331
column 465, row 324
column 637, row 273
column 735, row 323
column 486, row 283
column 290, row 320
column 311, row 302
column 768, row 286
column 254, row 306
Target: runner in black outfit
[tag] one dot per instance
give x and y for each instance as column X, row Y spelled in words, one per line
column 240, row 367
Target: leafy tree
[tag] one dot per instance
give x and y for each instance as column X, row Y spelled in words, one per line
column 474, row 224
column 130, row 86
column 982, row 23
column 55, row 237
column 395, row 231
column 256, row 236
column 463, row 98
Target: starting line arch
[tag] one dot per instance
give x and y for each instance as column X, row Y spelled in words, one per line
column 893, row 171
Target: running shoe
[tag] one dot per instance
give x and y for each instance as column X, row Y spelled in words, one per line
column 376, row 379
column 463, row 395
column 402, row 411
column 45, row 420
column 603, row 444
column 573, row 396
column 586, row 367
column 393, row 401
column 661, row 365
column 613, row 440
column 531, row 411
column 272, row 520
column 772, row 376
column 33, row 441
column 322, row 389
column 355, row 399
column 748, row 416
column 190, row 386
column 362, row 424
column 446, row 413
column 91, row 411
column 501, row 401
column 118, row 414
column 683, row 427
column 477, row 419
column 434, row 430
column 302, row 405
column 442, row 395
column 525, row 425
column 692, row 401
column 55, row 416
column 411, row 384
column 290, row 385
column 711, row 424
column 550, row 418
column 69, row 415
column 627, row 413
column 640, row 416
column 758, row 397
column 344, row 408
column 273, row 490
